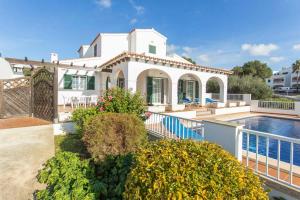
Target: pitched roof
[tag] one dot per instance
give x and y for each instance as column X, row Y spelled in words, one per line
column 126, row 56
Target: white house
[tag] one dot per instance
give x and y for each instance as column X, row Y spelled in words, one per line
column 137, row 61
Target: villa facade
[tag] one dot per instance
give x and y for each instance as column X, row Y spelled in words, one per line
column 137, row 61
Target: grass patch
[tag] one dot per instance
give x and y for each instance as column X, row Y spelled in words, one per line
column 70, row 143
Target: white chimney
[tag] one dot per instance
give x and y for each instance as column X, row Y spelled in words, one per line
column 54, row 57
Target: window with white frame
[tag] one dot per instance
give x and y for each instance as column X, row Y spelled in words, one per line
column 79, row 82
column 76, row 82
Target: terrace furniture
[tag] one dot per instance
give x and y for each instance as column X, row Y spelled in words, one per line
column 82, row 100
column 187, row 101
column 93, row 100
column 67, row 100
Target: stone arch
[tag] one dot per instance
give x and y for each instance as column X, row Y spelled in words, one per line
column 189, row 87
column 219, row 94
column 155, row 85
column 120, row 79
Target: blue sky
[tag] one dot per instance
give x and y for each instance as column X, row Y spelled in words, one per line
column 220, row 33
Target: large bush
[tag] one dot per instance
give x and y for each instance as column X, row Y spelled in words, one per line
column 80, row 115
column 113, row 134
column 118, row 100
column 113, row 172
column 68, row 177
column 250, row 85
column 190, row 170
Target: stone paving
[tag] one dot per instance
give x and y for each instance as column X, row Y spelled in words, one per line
column 23, row 152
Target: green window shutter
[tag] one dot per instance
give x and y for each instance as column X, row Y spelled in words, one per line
column 197, row 89
column 91, row 83
column 149, row 89
column 180, row 91
column 152, row 49
column 67, row 81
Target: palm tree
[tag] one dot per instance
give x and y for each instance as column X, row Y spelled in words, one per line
column 296, row 69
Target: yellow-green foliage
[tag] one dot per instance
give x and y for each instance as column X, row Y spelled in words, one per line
column 190, row 170
column 113, row 134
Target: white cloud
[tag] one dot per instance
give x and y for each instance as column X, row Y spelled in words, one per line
column 203, row 58
column 296, row 47
column 172, row 48
column 276, row 59
column 139, row 9
column 133, row 21
column 104, row 3
column 259, row 49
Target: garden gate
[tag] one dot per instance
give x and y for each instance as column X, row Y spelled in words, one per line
column 44, row 94
column 32, row 96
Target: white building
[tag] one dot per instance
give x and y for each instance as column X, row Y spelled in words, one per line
column 138, row 61
column 280, row 79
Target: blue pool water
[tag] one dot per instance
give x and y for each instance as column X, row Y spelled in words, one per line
column 278, row 126
column 174, row 126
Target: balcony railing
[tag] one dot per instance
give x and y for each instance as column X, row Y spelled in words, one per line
column 168, row 126
column 277, row 105
column 274, row 156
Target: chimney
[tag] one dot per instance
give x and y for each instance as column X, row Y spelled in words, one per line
column 54, row 57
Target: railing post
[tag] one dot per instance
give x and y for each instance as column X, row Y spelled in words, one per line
column 2, row 112
column 226, row 134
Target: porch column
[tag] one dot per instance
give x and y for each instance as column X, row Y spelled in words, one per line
column 202, row 94
column 223, row 93
column 130, row 85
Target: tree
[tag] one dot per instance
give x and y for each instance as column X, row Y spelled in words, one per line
column 250, row 85
column 190, row 60
column 296, row 69
column 253, row 68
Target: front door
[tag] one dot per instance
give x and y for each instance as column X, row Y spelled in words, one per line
column 155, row 90
column 190, row 88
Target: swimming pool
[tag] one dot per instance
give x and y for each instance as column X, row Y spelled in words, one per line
column 278, row 126
column 175, row 126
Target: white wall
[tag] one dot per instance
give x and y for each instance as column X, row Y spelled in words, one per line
column 225, row 134
column 255, row 108
column 6, row 70
column 72, row 92
column 141, row 38
column 224, row 111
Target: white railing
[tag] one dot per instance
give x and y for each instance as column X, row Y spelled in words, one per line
column 168, row 126
column 274, row 156
column 235, row 97
column 277, row 105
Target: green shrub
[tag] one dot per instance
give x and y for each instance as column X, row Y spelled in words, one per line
column 68, row 177
column 80, row 115
column 190, row 170
column 118, row 100
column 250, row 85
column 113, row 134
column 113, row 173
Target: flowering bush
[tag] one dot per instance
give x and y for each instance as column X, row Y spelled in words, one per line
column 118, row 100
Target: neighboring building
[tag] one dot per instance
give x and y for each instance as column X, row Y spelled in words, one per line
column 281, row 79
column 136, row 61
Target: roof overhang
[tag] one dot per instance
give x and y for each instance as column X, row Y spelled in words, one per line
column 126, row 56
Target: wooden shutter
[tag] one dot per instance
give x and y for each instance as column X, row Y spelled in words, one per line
column 91, row 83
column 197, row 89
column 180, row 91
column 149, row 89
column 67, row 81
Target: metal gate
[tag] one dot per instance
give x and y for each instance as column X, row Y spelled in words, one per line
column 44, row 94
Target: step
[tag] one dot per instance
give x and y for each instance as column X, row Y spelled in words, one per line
column 201, row 113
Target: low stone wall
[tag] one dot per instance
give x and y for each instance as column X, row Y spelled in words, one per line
column 231, row 110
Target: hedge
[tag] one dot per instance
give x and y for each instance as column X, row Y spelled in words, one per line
column 190, row 170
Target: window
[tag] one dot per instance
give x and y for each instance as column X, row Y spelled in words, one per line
column 95, row 50
column 190, row 89
column 79, row 82
column 152, row 49
column 121, row 82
